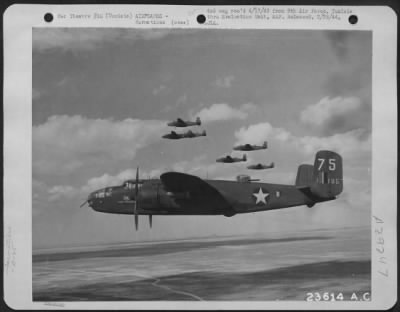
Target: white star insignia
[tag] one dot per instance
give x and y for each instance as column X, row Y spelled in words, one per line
column 261, row 196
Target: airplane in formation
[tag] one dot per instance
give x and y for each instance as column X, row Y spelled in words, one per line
column 261, row 166
column 181, row 123
column 229, row 159
column 249, row 147
column 189, row 134
column 178, row 193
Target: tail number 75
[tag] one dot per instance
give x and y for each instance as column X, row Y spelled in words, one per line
column 331, row 162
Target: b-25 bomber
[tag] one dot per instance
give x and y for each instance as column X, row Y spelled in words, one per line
column 261, row 166
column 229, row 159
column 189, row 134
column 249, row 147
column 178, row 193
column 182, row 123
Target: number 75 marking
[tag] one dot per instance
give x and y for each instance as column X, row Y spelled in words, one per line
column 331, row 162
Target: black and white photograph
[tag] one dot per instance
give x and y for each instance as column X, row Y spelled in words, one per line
column 113, row 110
column 202, row 164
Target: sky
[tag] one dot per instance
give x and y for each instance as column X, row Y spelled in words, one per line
column 102, row 97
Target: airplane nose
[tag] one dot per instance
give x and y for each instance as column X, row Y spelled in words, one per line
column 90, row 199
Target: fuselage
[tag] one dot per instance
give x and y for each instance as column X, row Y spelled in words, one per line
column 229, row 160
column 240, row 197
column 183, row 124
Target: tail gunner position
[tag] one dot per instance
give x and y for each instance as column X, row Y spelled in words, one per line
column 183, row 194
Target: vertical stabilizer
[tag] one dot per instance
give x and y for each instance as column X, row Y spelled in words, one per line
column 327, row 174
column 304, row 176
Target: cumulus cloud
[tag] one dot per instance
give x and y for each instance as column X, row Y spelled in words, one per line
column 260, row 132
column 225, row 82
column 106, row 179
column 223, row 111
column 61, row 191
column 337, row 115
column 327, row 109
column 64, row 144
column 353, row 142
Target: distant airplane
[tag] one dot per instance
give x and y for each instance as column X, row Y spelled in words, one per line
column 189, row 134
column 261, row 166
column 183, row 194
column 181, row 123
column 249, row 147
column 229, row 159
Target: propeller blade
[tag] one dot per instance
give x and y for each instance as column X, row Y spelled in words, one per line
column 136, row 222
column 135, row 212
column 83, row 204
column 151, row 220
column 137, row 182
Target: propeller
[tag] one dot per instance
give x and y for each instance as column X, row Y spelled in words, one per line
column 135, row 206
column 151, row 220
column 83, row 204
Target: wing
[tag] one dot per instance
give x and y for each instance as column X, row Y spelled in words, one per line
column 201, row 193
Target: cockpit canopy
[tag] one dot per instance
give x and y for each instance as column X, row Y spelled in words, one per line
column 130, row 184
column 243, row 178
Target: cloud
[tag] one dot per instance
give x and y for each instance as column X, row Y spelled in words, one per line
column 225, row 82
column 351, row 143
column 332, row 115
column 106, row 179
column 327, row 109
column 65, row 144
column 260, row 132
column 157, row 90
column 223, row 111
column 61, row 191
column 86, row 39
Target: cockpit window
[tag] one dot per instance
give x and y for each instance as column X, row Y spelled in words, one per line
column 100, row 194
column 103, row 193
column 130, row 185
column 108, row 192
